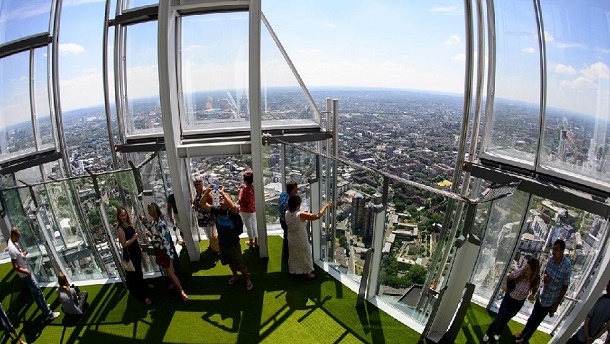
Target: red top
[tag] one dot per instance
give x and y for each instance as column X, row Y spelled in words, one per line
column 246, row 199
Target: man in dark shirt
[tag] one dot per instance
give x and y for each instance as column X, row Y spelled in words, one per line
column 228, row 235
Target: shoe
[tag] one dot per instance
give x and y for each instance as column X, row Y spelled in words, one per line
column 485, row 338
column 250, row 286
column 54, row 316
column 496, row 337
column 184, row 296
column 232, row 280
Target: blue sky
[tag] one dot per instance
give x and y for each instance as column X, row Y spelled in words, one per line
column 393, row 44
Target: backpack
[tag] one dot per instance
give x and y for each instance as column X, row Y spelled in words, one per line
column 238, row 223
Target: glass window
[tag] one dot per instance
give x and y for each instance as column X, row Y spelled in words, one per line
column 140, row 3
column 515, row 124
column 576, row 135
column 19, row 19
column 142, row 103
column 46, row 136
column 214, row 60
column 283, row 102
column 16, row 135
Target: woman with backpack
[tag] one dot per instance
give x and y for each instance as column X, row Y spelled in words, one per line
column 519, row 285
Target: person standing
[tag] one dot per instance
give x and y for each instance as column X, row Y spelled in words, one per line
column 228, row 235
column 300, row 260
column 282, row 207
column 162, row 242
column 128, row 238
column 204, row 218
column 596, row 322
column 247, row 208
column 526, row 282
column 20, row 265
column 556, row 279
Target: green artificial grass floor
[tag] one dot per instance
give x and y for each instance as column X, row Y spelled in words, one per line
column 280, row 309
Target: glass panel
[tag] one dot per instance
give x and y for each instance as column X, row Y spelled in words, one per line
column 19, row 19
column 143, row 107
column 515, row 123
column 140, row 3
column 273, row 185
column 215, row 71
column 283, row 102
column 46, row 137
column 411, row 238
column 119, row 190
column 502, row 220
column 64, row 227
column 80, row 78
column 19, row 207
column 16, row 135
column 576, row 126
column 545, row 222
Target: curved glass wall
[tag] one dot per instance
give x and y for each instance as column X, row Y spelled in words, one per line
column 17, row 136
column 578, row 92
column 515, row 126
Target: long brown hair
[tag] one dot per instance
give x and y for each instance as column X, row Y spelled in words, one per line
column 535, row 277
column 118, row 216
column 63, row 281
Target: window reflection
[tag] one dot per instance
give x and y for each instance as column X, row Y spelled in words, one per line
column 576, row 128
column 215, row 71
column 16, row 133
column 515, row 132
column 19, row 19
column 46, row 132
column 142, row 104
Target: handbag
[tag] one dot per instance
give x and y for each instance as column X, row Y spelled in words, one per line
column 128, row 266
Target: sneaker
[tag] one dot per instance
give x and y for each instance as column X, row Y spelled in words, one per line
column 496, row 337
column 485, row 338
column 54, row 316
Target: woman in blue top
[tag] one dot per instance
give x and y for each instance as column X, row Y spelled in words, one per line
column 161, row 240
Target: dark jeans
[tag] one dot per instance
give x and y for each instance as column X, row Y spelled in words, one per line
column 538, row 314
column 285, row 243
column 38, row 296
column 4, row 320
column 508, row 309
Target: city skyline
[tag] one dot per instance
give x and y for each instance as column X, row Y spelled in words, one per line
column 388, row 51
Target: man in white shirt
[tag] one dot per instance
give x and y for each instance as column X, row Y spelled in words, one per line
column 20, row 264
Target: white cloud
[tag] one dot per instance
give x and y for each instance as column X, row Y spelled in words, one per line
column 563, row 45
column 580, row 83
column 452, row 40
column 66, row 49
column 444, row 9
column 192, row 47
column 459, row 57
column 563, row 69
column 330, row 25
column 598, row 70
column 548, row 37
column 529, row 50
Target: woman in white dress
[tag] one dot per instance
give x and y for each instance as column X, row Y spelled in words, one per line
column 300, row 260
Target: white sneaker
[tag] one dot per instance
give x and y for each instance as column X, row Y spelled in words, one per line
column 486, row 338
column 496, row 337
column 54, row 316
